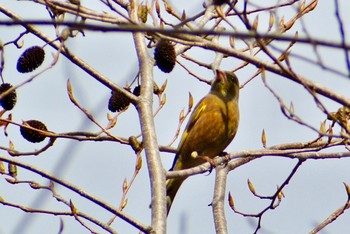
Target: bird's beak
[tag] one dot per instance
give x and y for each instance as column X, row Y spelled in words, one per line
column 220, row 75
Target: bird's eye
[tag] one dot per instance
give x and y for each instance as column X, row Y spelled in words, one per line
column 232, row 78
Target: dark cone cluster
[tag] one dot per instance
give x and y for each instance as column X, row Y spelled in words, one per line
column 220, row 2
column 165, row 56
column 32, row 135
column 31, row 59
column 137, row 90
column 9, row 101
column 118, row 101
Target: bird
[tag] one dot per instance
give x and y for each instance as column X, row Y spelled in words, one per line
column 211, row 127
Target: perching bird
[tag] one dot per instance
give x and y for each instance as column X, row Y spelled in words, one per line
column 210, row 129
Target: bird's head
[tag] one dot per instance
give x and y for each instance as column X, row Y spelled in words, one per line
column 226, row 85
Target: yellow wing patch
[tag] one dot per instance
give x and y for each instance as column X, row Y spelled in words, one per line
column 193, row 119
column 195, row 115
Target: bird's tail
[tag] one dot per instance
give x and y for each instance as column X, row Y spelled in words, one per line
column 172, row 186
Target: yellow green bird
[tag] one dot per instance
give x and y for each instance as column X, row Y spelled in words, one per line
column 210, row 129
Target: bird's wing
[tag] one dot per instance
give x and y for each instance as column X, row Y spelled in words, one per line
column 195, row 116
column 192, row 121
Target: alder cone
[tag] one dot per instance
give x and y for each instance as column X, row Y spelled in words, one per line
column 32, row 135
column 9, row 101
column 118, row 101
column 220, row 2
column 31, row 59
column 165, row 56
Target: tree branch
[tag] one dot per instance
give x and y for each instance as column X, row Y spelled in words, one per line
column 218, row 203
column 144, row 106
column 77, row 190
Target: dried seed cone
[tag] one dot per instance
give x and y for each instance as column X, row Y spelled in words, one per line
column 31, row 59
column 9, row 101
column 165, row 56
column 220, row 2
column 118, row 101
column 137, row 90
column 32, row 135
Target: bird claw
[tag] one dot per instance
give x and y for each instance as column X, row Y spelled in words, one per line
column 210, row 161
column 225, row 156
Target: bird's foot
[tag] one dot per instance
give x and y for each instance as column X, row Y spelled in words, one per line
column 209, row 160
column 226, row 157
